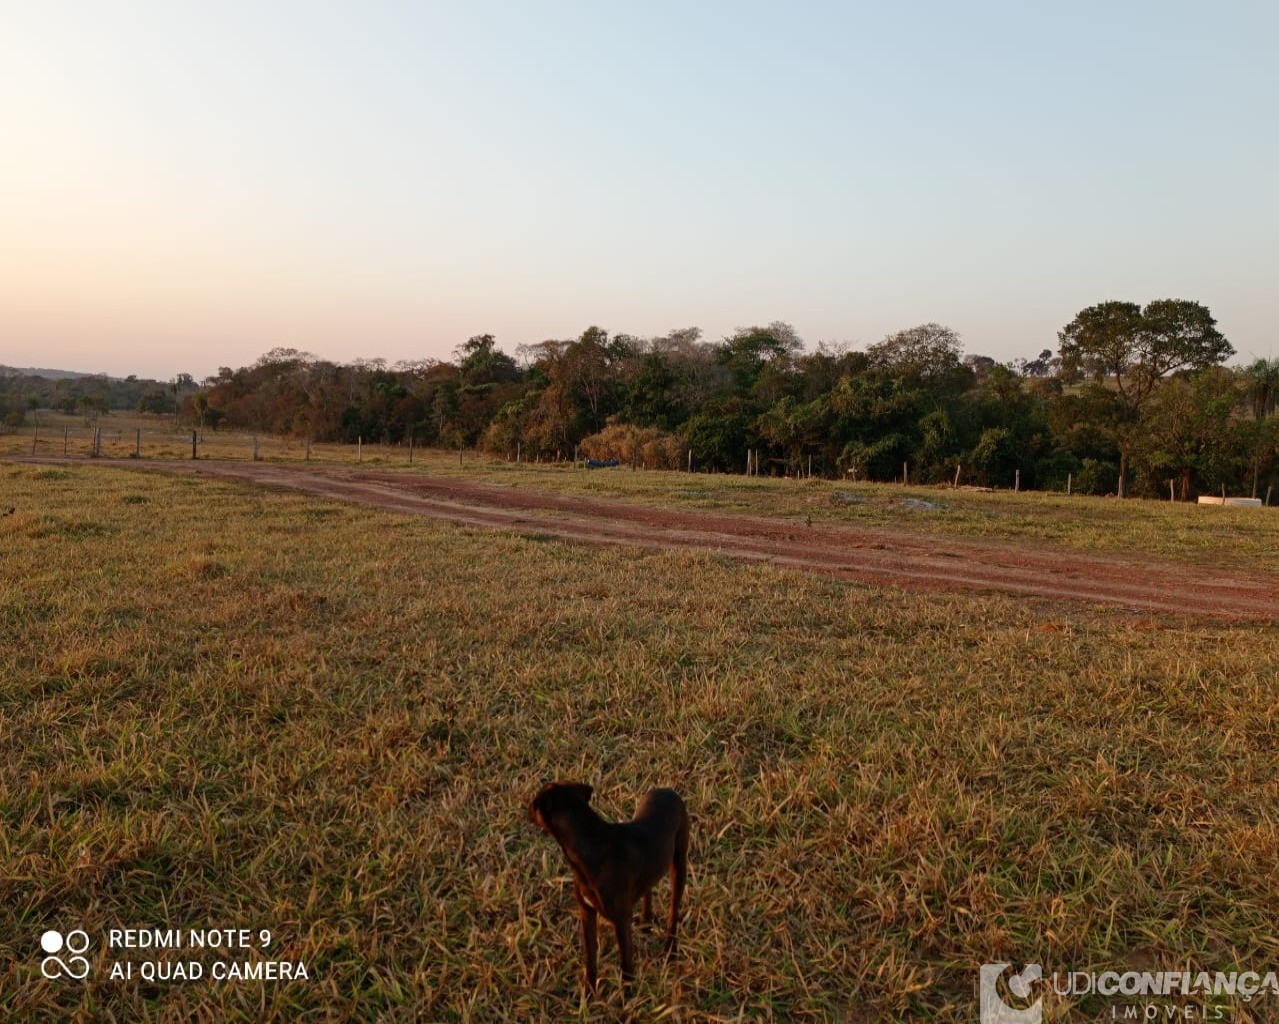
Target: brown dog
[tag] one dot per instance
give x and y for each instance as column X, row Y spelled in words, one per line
column 615, row 865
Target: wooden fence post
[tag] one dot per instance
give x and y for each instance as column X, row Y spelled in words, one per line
column 194, row 442
column 690, row 460
column 410, row 449
column 1069, row 476
column 359, row 448
column 65, row 434
column 957, row 470
column 255, row 447
column 1017, row 482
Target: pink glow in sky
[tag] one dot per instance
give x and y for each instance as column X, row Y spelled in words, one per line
column 184, row 186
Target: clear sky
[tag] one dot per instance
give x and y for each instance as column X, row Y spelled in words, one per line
column 186, row 185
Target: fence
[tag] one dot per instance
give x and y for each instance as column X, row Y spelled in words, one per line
column 126, row 442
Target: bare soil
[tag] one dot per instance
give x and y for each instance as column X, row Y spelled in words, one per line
column 898, row 557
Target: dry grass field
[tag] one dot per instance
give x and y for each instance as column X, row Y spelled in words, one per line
column 1245, row 538
column 228, row 708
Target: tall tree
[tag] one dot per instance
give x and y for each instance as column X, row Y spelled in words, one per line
column 480, row 361
column 927, row 352
column 1261, row 381
column 1137, row 348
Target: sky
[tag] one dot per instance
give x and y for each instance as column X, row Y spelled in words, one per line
column 185, row 186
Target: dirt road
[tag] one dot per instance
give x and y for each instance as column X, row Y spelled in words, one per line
column 879, row 555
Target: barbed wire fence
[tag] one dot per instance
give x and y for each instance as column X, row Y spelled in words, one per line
column 133, row 442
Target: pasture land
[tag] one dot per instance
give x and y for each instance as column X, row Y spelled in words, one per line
column 229, row 708
column 1230, row 538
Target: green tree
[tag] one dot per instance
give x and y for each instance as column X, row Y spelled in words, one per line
column 1135, row 349
column 154, row 401
column 746, row 354
column 480, row 361
column 929, row 352
column 1189, row 429
column 1261, row 383
column 201, row 402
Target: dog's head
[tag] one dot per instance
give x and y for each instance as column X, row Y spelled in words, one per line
column 556, row 797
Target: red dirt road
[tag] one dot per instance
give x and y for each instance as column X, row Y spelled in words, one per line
column 876, row 555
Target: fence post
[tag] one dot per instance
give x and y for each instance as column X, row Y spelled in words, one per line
column 359, row 448
column 97, row 442
column 519, row 454
column 35, row 436
column 194, row 441
column 1069, row 476
column 1171, row 494
column 459, row 456
column 255, row 447
column 410, row 449
column 1269, row 488
column 65, row 433
column 137, row 443
column 308, row 447
column 905, row 475
column 958, row 468
column 1017, row 481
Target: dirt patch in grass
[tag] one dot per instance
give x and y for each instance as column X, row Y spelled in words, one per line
column 896, row 556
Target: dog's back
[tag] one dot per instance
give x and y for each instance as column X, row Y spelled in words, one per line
column 661, row 825
column 664, row 806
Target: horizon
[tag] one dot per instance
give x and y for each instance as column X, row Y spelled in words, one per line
column 191, row 190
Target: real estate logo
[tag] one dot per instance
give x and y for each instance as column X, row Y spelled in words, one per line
column 1010, row 1002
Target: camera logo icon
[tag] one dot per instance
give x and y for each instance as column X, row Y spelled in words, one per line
column 1010, row 1002
column 74, row 966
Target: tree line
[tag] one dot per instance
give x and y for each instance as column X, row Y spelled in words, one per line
column 22, row 394
column 1134, row 399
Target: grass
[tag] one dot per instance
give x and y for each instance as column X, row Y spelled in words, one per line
column 229, row 708
column 1236, row 538
column 1243, row 538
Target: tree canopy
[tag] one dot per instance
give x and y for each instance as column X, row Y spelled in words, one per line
column 1135, row 398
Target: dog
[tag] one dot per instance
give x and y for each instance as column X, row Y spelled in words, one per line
column 616, row 865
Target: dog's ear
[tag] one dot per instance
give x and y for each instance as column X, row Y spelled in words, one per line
column 536, row 807
column 580, row 790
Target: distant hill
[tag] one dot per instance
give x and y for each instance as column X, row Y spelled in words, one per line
column 34, row 371
column 69, row 391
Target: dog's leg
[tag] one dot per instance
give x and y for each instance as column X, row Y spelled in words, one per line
column 646, row 912
column 626, row 948
column 679, row 875
column 588, row 941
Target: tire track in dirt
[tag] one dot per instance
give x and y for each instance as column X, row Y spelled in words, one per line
column 868, row 554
